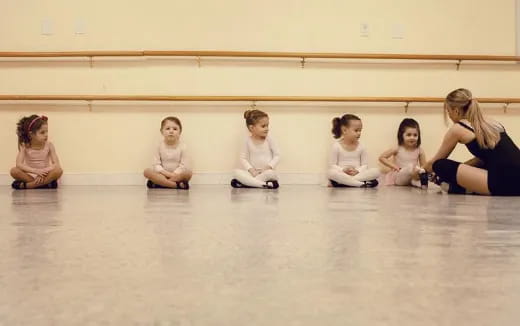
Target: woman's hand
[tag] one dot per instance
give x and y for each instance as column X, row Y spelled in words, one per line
column 428, row 166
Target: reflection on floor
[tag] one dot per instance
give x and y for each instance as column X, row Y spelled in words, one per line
column 299, row 255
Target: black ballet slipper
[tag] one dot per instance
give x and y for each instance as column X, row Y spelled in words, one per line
column 51, row 185
column 423, row 177
column 337, row 184
column 370, row 184
column 237, row 184
column 272, row 184
column 19, row 184
column 152, row 185
column 184, row 185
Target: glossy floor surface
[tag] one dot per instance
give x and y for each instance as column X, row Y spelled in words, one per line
column 301, row 255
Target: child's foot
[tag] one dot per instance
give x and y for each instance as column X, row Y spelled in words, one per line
column 19, row 184
column 370, row 184
column 451, row 188
column 337, row 184
column 272, row 184
column 152, row 185
column 447, row 187
column 183, row 185
column 53, row 184
column 45, row 186
column 236, row 184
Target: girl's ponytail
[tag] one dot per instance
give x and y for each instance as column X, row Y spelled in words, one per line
column 336, row 127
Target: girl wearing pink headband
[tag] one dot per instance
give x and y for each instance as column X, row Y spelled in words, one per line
column 37, row 164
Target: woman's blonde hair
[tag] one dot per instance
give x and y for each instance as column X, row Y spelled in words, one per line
column 487, row 134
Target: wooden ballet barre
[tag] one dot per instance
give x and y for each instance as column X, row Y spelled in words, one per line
column 242, row 54
column 71, row 54
column 382, row 56
column 154, row 98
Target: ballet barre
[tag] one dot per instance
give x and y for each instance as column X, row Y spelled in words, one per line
column 244, row 98
column 506, row 101
column 303, row 56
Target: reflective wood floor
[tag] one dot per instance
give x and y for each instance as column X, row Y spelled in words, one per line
column 300, row 255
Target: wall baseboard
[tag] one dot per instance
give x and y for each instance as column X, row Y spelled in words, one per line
column 134, row 179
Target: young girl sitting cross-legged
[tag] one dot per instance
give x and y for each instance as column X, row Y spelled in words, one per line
column 170, row 168
column 259, row 155
column 37, row 164
column 348, row 158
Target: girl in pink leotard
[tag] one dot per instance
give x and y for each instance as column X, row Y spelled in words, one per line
column 406, row 159
column 37, row 164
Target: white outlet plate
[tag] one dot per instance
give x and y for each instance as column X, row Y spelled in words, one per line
column 80, row 27
column 398, row 31
column 364, row 30
column 47, row 27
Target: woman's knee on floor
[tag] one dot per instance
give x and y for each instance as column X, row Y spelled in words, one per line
column 446, row 169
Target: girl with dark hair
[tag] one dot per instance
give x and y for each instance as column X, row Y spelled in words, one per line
column 405, row 159
column 348, row 158
column 37, row 164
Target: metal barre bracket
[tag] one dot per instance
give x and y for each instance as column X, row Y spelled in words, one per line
column 458, row 64
column 407, row 104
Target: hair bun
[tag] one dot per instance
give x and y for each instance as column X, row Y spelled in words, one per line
column 247, row 114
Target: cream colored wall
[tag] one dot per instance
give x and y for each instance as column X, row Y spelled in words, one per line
column 119, row 138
